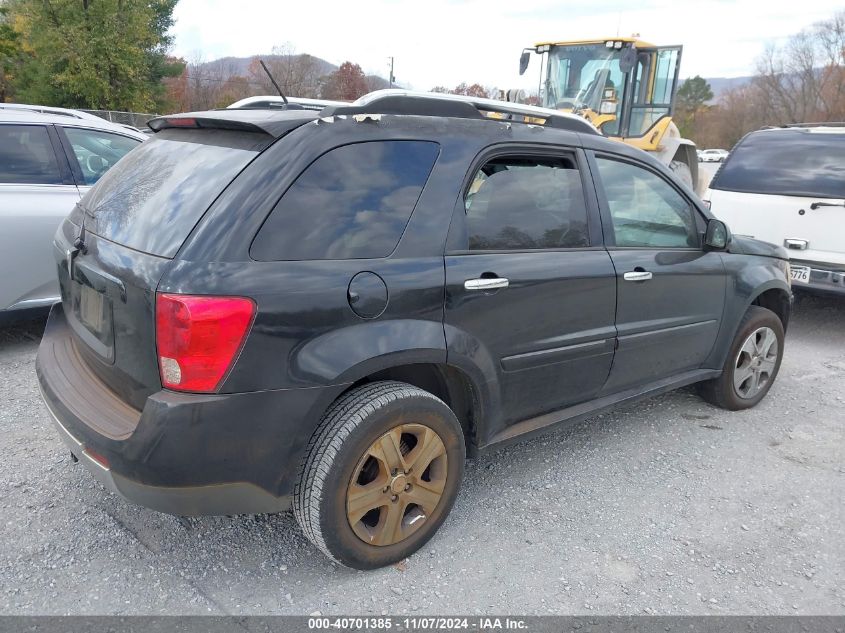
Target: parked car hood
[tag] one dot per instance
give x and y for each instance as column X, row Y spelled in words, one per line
column 749, row 246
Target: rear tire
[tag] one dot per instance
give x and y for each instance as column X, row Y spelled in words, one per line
column 380, row 474
column 752, row 364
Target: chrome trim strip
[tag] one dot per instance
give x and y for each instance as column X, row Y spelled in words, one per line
column 34, row 303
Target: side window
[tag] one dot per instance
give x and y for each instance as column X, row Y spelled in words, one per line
column 645, row 209
column 98, row 151
column 517, row 203
column 27, row 156
column 351, row 203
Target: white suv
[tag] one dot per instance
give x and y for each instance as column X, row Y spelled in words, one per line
column 786, row 185
column 49, row 158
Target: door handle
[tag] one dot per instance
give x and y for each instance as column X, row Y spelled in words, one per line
column 485, row 283
column 637, row 275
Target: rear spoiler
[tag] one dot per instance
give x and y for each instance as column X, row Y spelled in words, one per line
column 169, row 122
column 273, row 123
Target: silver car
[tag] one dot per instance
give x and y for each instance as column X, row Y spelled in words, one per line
column 49, row 158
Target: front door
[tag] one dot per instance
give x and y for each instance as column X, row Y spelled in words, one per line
column 530, row 298
column 670, row 290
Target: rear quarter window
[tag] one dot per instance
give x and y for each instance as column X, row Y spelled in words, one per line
column 788, row 163
column 351, row 203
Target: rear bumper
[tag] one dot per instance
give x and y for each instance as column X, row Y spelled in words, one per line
column 184, row 454
column 823, row 277
column 232, row 498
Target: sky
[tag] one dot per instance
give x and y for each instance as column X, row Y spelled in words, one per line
column 445, row 42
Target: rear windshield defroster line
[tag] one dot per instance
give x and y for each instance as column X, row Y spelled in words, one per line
column 151, row 199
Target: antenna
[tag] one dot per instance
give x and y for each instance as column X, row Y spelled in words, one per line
column 279, row 90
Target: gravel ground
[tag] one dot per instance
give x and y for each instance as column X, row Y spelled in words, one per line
column 668, row 506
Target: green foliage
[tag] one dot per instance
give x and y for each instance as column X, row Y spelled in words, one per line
column 691, row 99
column 9, row 52
column 102, row 54
column 694, row 93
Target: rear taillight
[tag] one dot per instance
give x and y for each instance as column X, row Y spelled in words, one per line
column 198, row 338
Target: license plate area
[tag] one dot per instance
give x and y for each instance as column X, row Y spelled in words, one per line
column 800, row 274
column 92, row 319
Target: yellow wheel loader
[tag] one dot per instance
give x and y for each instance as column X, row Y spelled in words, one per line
column 623, row 86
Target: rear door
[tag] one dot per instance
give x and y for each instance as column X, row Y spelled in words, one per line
column 530, row 291
column 670, row 291
column 36, row 194
column 787, row 187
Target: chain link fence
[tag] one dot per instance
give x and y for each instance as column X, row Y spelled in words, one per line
column 135, row 119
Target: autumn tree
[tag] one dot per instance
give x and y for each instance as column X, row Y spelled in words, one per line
column 801, row 80
column 104, row 54
column 298, row 75
column 473, row 90
column 10, row 52
column 470, row 90
column 347, row 83
column 804, row 78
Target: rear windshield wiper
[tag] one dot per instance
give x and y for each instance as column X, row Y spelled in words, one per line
column 838, row 203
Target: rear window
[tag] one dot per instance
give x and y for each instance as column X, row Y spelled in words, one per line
column 351, row 203
column 154, row 196
column 788, row 163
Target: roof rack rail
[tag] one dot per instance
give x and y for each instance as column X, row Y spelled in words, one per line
column 446, row 105
column 818, row 124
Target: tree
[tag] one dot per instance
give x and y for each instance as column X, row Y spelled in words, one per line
column 298, row 75
column 102, row 54
column 801, row 80
column 804, row 79
column 10, row 52
column 693, row 94
column 347, row 83
column 474, row 90
column 691, row 99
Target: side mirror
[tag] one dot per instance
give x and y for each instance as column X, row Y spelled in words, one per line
column 523, row 61
column 628, row 59
column 718, row 235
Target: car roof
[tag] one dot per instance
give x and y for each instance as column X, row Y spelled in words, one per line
column 20, row 113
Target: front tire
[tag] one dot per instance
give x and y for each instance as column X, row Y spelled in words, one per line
column 752, row 364
column 380, row 474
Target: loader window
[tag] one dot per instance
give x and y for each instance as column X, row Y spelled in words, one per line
column 654, row 88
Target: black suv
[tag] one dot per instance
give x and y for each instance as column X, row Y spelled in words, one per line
column 331, row 310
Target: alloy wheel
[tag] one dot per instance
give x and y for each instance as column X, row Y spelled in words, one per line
column 397, row 484
column 755, row 363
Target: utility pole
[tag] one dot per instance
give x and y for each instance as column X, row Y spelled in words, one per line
column 392, row 78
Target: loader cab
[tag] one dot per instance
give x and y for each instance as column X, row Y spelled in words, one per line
column 623, row 86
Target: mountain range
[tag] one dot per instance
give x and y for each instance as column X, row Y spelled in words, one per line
column 226, row 67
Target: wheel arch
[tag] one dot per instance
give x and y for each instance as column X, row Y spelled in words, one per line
column 776, row 299
column 451, row 384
